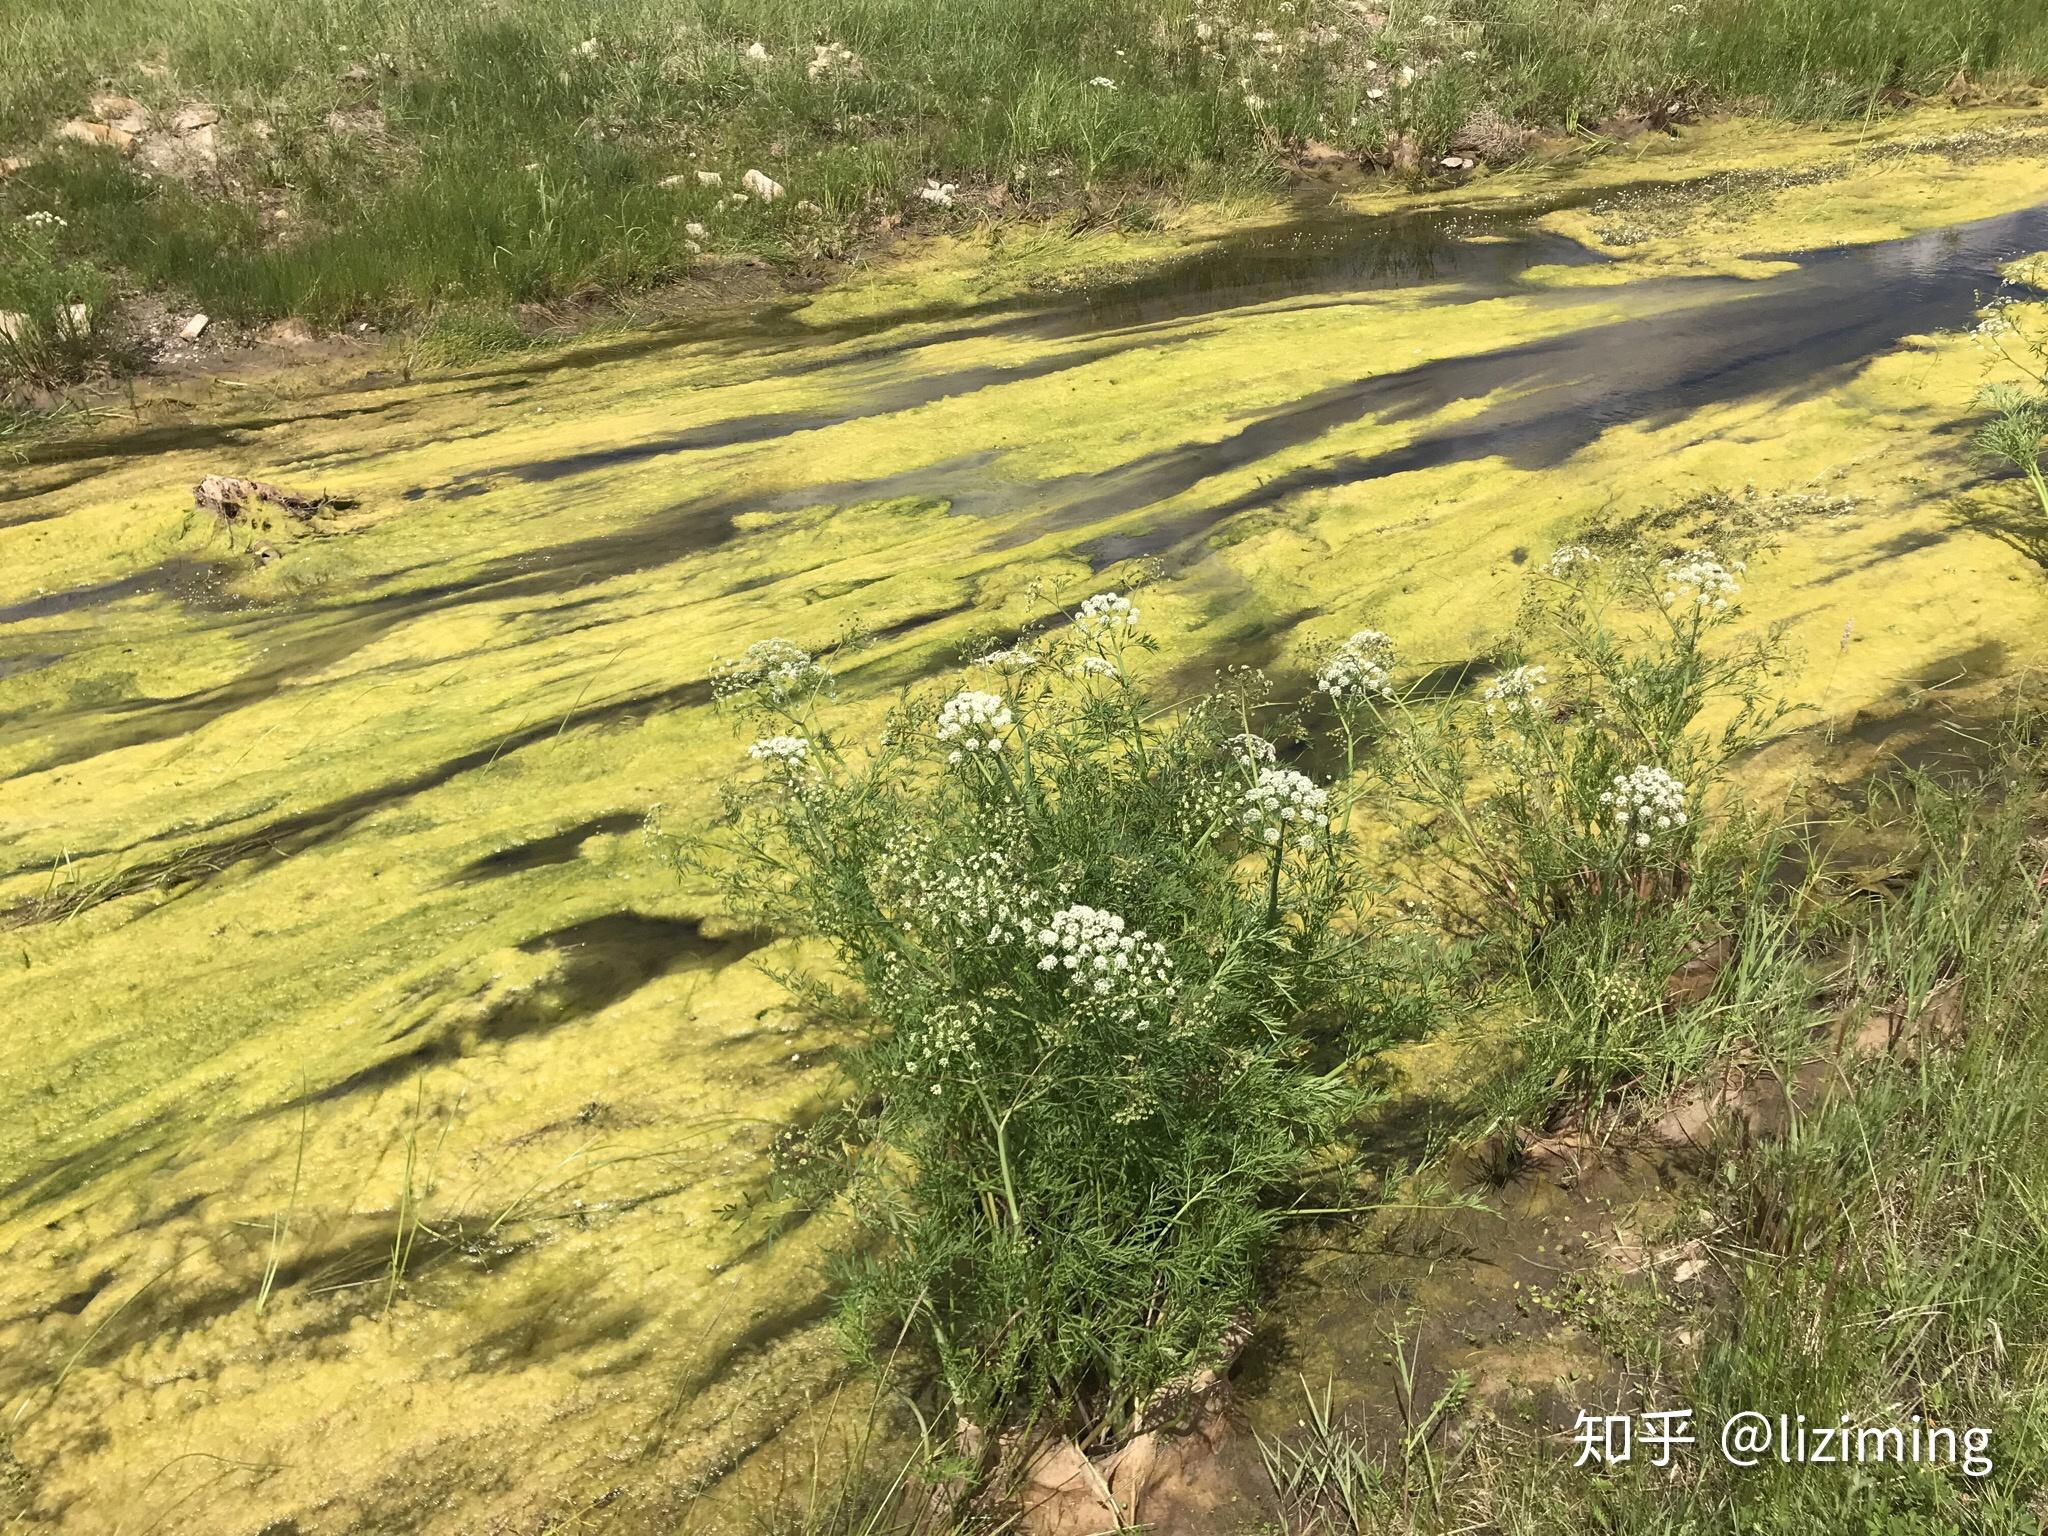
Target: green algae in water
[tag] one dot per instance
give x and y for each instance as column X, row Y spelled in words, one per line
column 359, row 829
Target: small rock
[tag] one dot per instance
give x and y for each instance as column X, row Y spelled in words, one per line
column 766, row 188
column 693, row 247
column 13, row 325
column 696, row 231
column 587, row 47
column 288, row 333
column 78, row 317
column 1689, row 1271
column 1316, row 152
column 805, row 205
column 194, row 328
column 83, row 132
column 670, row 183
column 939, row 193
column 829, row 59
column 193, row 117
column 124, row 113
column 710, row 179
column 757, row 53
column 9, row 164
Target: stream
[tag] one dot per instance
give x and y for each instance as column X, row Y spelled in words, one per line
column 332, row 925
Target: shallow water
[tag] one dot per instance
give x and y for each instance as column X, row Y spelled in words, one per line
column 330, row 867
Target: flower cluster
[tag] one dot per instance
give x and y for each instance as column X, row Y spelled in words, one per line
column 1518, row 691
column 1095, row 666
column 978, row 899
column 1100, row 959
column 1105, row 614
column 1698, row 579
column 972, row 722
column 777, row 670
column 1252, row 751
column 1359, row 668
column 1286, row 805
column 42, row 218
column 1013, row 660
column 1997, row 322
column 1570, row 559
column 943, row 1041
column 1645, row 799
column 787, row 753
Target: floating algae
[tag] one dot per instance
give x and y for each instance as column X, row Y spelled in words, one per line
column 334, row 952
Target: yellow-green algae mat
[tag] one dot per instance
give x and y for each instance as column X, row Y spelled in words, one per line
column 334, row 948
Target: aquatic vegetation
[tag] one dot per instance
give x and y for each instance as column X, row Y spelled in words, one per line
column 1098, row 959
column 374, row 813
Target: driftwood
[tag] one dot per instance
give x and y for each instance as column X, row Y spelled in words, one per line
column 232, row 497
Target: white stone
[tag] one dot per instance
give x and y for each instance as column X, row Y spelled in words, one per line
column 766, row 188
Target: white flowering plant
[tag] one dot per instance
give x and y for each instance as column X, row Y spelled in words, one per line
column 51, row 300
column 1105, row 987
column 1558, row 808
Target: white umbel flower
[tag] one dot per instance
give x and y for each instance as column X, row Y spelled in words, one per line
column 979, row 901
column 1013, row 660
column 1095, row 666
column 1106, row 614
column 1698, row 580
column 1645, row 801
column 1517, row 692
column 42, row 218
column 942, row 1043
column 1253, row 751
column 1100, row 959
column 1570, row 559
column 973, row 722
column 788, row 753
column 1284, row 807
column 778, row 670
column 1360, row 668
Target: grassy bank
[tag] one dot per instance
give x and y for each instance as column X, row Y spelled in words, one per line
column 380, row 160
column 1873, row 1259
column 1858, row 1234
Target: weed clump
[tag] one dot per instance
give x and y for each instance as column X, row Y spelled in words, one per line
column 2015, row 429
column 1559, row 813
column 47, row 303
column 1102, row 960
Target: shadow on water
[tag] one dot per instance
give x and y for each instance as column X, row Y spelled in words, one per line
column 1710, row 341
column 599, row 962
column 556, row 848
column 1780, row 338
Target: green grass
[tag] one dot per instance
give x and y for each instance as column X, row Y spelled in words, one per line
column 1886, row 1257
column 381, row 157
